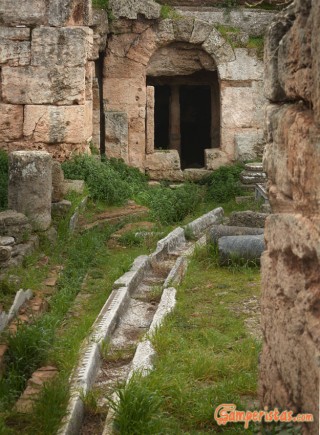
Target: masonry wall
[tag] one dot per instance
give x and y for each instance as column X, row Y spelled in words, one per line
column 46, row 62
column 289, row 370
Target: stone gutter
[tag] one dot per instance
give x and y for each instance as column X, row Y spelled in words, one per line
column 85, row 372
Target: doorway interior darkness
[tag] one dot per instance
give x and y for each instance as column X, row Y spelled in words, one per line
column 187, row 115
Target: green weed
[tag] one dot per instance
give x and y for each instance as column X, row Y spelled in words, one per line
column 223, row 184
column 168, row 12
column 90, row 401
column 257, row 43
column 169, row 206
column 136, row 409
column 27, row 350
column 130, row 239
column 111, row 180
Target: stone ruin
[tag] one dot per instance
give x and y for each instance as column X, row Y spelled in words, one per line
column 36, row 191
column 132, row 85
column 166, row 95
column 290, row 361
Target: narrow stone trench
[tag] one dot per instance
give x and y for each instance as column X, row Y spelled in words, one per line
column 132, row 326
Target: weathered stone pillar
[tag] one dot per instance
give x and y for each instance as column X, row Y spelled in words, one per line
column 30, row 185
column 150, row 120
column 215, row 115
column 175, row 135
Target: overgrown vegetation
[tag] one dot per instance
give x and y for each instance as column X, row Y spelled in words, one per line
column 206, row 356
column 257, row 43
column 90, row 267
column 111, row 180
column 3, row 180
column 168, row 12
column 223, row 184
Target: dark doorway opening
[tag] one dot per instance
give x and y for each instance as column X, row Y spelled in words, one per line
column 161, row 117
column 195, row 124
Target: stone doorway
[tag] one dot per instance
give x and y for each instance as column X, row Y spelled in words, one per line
column 186, row 115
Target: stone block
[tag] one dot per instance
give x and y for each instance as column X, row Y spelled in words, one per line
column 201, row 31
column 11, row 122
column 57, row 182
column 163, row 161
column 14, row 53
column 233, row 248
column 5, row 253
column 214, row 158
column 168, row 174
column 59, row 46
column 183, row 29
column 247, row 219
column 116, row 137
column 15, row 33
column 122, row 8
column 41, row 85
column 249, row 145
column 272, row 87
column 179, row 60
column 245, row 67
column 89, row 80
column 14, row 224
column 69, row 12
column 250, row 177
column 30, row 184
column 77, row 186
column 56, row 124
column 218, row 231
column 165, row 33
column 60, row 209
column 143, row 48
column 29, row 12
column 218, row 48
column 242, row 106
column 129, row 95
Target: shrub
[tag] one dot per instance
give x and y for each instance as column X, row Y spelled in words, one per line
column 111, row 180
column 223, row 184
column 171, row 206
column 4, row 176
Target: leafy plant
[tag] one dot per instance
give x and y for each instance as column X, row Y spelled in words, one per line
column 223, row 184
column 111, row 180
column 4, row 177
column 171, row 206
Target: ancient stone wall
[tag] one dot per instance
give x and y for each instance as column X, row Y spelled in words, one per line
column 144, row 47
column 46, row 62
column 221, row 3
column 289, row 371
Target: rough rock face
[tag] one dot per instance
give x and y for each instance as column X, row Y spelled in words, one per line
column 289, row 370
column 30, row 184
column 46, row 75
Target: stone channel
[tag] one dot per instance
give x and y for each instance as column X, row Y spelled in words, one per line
column 131, row 312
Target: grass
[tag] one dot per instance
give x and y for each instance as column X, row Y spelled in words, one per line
column 168, row 12
column 205, row 355
column 90, row 268
column 257, row 43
